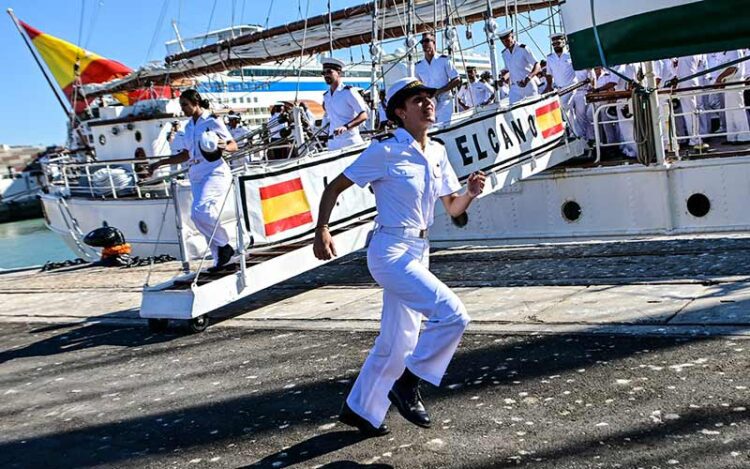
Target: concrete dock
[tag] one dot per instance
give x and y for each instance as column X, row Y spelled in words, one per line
column 655, row 286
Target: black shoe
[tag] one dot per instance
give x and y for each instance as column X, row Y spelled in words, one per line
column 405, row 396
column 225, row 255
column 349, row 417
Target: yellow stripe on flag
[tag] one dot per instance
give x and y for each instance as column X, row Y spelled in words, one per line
column 549, row 119
column 59, row 56
column 284, row 206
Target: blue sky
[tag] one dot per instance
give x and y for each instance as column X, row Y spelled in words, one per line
column 126, row 31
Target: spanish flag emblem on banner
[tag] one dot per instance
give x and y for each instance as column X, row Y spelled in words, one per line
column 284, row 206
column 549, row 119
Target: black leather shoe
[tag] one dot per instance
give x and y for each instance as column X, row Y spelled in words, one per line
column 225, row 255
column 351, row 418
column 409, row 403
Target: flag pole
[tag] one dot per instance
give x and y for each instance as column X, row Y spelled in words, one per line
column 38, row 62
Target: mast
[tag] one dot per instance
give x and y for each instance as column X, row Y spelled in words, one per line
column 410, row 41
column 26, row 40
column 375, row 55
column 489, row 29
column 177, row 35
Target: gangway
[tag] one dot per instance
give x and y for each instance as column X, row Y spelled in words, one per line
column 277, row 205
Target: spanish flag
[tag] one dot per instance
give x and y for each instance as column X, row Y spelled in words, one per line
column 549, row 119
column 284, row 206
column 67, row 62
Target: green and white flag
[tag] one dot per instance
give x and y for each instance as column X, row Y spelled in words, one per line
column 636, row 30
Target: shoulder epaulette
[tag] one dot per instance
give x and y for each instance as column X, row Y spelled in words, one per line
column 419, row 61
column 444, row 56
column 381, row 138
column 348, row 87
column 437, row 140
column 523, row 45
column 326, row 92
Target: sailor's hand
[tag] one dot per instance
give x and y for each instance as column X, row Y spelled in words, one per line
column 323, row 247
column 153, row 167
column 475, row 185
column 340, row 130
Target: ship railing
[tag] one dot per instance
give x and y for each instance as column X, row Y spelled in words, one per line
column 117, row 178
column 672, row 116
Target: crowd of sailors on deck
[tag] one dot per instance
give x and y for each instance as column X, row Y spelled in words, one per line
column 691, row 118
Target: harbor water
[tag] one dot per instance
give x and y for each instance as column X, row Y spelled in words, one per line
column 30, row 242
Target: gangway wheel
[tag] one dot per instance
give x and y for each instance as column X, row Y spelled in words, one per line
column 158, row 325
column 198, row 324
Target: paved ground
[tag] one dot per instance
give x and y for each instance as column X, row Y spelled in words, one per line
column 619, row 354
column 76, row 396
column 649, row 286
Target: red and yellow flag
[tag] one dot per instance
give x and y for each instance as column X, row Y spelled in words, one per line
column 61, row 58
column 284, row 206
column 549, row 119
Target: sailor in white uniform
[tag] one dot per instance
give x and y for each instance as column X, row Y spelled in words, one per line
column 560, row 75
column 476, row 92
column 235, row 127
column 603, row 81
column 345, row 108
column 522, row 65
column 438, row 72
column 408, row 173
column 738, row 130
column 633, row 73
column 689, row 66
column 204, row 140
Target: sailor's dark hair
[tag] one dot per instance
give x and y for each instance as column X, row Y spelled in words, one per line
column 194, row 97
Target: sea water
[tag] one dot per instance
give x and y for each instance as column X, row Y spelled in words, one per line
column 30, row 242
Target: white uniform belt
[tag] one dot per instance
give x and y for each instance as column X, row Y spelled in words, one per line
column 404, row 231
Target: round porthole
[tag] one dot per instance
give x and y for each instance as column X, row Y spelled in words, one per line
column 461, row 220
column 143, row 227
column 102, row 140
column 138, row 136
column 571, row 211
column 698, row 205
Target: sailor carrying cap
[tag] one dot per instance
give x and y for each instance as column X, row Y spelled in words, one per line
column 332, row 63
column 209, row 145
column 402, row 90
column 556, row 36
column 501, row 34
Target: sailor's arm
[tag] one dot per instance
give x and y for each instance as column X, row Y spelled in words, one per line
column 323, row 247
column 454, row 83
column 358, row 119
column 178, row 158
column 456, row 205
column 726, row 74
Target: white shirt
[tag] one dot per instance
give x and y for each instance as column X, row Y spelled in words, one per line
column 688, row 66
column 561, row 69
column 178, row 142
column 199, row 166
column 406, row 181
column 475, row 94
column 238, row 132
column 519, row 63
column 343, row 105
column 436, row 73
column 628, row 70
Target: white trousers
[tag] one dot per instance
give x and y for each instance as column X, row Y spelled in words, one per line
column 627, row 131
column 689, row 104
column 444, row 110
column 209, row 193
column 410, row 291
column 518, row 93
column 737, row 126
column 576, row 112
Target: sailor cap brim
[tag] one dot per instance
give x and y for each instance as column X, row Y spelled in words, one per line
column 504, row 32
column 332, row 62
column 402, row 90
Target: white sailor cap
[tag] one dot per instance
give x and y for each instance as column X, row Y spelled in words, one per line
column 209, row 144
column 402, row 89
column 556, row 36
column 233, row 116
column 332, row 62
column 504, row 32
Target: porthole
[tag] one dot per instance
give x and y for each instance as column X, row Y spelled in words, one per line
column 102, row 140
column 143, row 227
column 461, row 220
column 571, row 211
column 698, row 205
column 138, row 136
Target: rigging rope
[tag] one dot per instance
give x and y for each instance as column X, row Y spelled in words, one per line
column 302, row 51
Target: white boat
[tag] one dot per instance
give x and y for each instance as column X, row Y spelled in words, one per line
column 694, row 193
